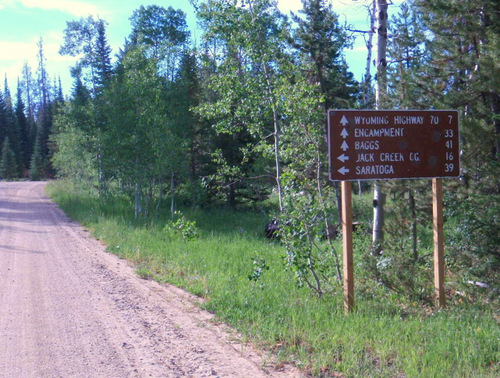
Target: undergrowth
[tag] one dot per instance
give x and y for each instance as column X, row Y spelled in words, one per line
column 224, row 257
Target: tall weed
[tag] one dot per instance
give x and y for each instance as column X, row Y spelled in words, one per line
column 242, row 277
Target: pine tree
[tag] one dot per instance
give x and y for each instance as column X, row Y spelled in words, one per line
column 22, row 120
column 29, row 89
column 13, row 131
column 9, row 128
column 37, row 169
column 321, row 40
column 102, row 56
column 184, row 95
column 44, row 116
column 43, row 80
column 8, row 163
column 407, row 57
column 463, row 46
column 4, row 119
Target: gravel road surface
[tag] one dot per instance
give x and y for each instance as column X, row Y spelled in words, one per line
column 70, row 309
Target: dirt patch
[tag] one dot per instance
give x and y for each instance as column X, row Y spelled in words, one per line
column 69, row 309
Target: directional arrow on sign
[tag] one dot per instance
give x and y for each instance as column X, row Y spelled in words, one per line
column 343, row 170
column 344, row 121
column 344, row 146
column 344, row 134
column 343, row 158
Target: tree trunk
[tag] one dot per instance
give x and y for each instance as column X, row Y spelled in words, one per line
column 160, row 195
column 379, row 198
column 278, row 160
column 231, row 196
column 380, row 100
column 367, row 94
column 138, row 191
column 495, row 109
column 414, row 225
column 137, row 205
column 369, row 47
column 172, row 193
column 272, row 102
column 381, row 62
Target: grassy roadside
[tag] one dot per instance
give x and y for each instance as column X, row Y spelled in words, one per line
column 378, row 340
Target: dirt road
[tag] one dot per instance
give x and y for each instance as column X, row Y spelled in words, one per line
column 69, row 309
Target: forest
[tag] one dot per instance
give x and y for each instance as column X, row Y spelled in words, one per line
column 177, row 154
column 239, row 121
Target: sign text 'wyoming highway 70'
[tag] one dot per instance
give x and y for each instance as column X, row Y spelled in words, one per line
column 393, row 144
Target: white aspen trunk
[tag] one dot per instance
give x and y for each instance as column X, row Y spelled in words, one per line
column 378, row 218
column 272, row 101
column 369, row 47
column 381, row 62
column 278, row 160
column 137, row 205
column 138, row 192
column 380, row 99
column 172, row 192
column 367, row 79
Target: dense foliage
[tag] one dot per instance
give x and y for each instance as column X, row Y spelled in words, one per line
column 26, row 123
column 240, row 120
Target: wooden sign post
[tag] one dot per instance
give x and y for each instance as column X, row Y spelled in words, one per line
column 387, row 145
column 437, row 216
column 347, row 246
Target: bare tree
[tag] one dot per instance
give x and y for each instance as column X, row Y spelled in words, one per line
column 379, row 196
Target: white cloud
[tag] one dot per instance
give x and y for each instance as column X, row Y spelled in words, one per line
column 337, row 5
column 15, row 54
column 289, row 5
column 16, row 50
column 75, row 8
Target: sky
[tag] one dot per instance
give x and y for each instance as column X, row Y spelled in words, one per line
column 24, row 22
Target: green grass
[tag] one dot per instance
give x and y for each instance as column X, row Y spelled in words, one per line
column 294, row 325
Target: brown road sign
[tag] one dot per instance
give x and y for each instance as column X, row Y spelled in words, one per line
column 393, row 144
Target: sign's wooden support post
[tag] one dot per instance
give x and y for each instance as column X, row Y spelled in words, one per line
column 347, row 246
column 437, row 210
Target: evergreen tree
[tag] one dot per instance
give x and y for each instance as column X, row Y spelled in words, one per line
column 407, row 58
column 37, row 166
column 29, row 90
column 13, row 131
column 463, row 43
column 4, row 120
column 183, row 96
column 87, row 37
column 462, row 73
column 8, row 163
column 9, row 129
column 102, row 56
column 24, row 128
column 75, row 148
column 44, row 115
column 411, row 204
column 43, row 80
column 321, row 40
